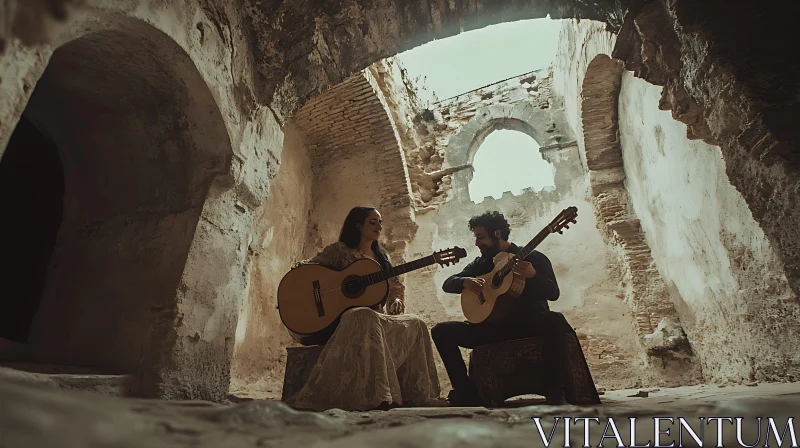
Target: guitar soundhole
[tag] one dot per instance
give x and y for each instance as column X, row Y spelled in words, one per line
column 497, row 280
column 353, row 287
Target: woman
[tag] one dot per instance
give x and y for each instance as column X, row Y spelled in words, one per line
column 374, row 359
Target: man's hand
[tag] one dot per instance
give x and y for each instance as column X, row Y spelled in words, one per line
column 474, row 284
column 525, row 269
column 396, row 307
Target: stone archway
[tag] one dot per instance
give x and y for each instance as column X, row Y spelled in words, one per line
column 509, row 160
column 141, row 139
column 527, row 117
column 497, row 124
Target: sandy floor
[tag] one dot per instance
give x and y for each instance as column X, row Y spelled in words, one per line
column 35, row 412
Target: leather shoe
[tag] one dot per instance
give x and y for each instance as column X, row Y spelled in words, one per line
column 460, row 399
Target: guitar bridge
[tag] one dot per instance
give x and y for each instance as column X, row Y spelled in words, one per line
column 482, row 298
column 318, row 299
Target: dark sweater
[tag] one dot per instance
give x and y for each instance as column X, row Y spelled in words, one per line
column 538, row 290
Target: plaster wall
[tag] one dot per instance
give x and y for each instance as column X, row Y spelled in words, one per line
column 259, row 356
column 348, row 182
column 591, row 81
column 344, row 184
column 725, row 279
column 184, row 339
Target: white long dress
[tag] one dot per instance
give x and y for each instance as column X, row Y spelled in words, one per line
column 372, row 358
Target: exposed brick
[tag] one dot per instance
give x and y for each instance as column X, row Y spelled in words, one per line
column 646, row 294
column 351, row 120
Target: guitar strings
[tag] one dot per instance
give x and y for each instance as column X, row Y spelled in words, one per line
column 350, row 283
column 359, row 280
column 503, row 271
column 347, row 283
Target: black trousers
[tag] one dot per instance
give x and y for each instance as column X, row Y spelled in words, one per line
column 551, row 326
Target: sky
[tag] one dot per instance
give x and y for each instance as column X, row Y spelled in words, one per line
column 507, row 160
column 476, row 58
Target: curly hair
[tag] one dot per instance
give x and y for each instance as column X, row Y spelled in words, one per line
column 491, row 221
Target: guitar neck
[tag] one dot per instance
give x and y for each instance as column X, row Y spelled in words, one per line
column 386, row 274
column 525, row 251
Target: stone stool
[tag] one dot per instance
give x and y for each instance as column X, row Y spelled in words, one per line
column 507, row 369
column 299, row 362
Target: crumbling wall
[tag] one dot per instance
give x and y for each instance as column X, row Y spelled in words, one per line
column 590, row 297
column 418, row 132
column 724, row 276
column 590, row 291
column 259, row 356
column 584, row 57
column 535, row 90
column 626, row 214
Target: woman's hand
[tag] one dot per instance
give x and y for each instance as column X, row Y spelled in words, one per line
column 396, row 307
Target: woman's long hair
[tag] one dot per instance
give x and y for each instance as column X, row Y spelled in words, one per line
column 351, row 236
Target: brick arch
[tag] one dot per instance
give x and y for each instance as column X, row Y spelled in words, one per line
column 646, row 293
column 351, row 122
column 462, row 151
column 599, row 113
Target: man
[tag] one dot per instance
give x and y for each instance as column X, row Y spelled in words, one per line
column 527, row 315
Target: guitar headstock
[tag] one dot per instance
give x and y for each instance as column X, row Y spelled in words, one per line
column 563, row 220
column 449, row 256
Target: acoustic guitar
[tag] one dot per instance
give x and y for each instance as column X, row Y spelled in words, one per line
column 312, row 297
column 503, row 283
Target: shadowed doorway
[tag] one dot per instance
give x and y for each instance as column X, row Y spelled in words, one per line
column 31, row 197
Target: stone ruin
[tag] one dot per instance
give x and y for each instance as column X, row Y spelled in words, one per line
column 164, row 164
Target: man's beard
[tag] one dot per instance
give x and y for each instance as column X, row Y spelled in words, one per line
column 490, row 251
